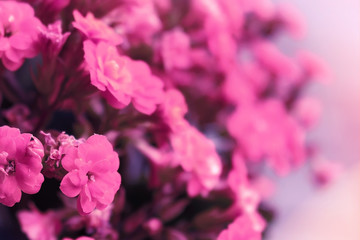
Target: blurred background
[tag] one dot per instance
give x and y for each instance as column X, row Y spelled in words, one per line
column 331, row 213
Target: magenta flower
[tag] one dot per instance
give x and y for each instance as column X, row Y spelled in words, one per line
column 140, row 28
column 247, row 198
column 307, row 110
column 109, row 73
column 18, row 33
column 39, row 226
column 245, row 227
column 51, row 39
column 275, row 61
column 314, row 66
column 20, row 165
column 174, row 107
column 148, row 89
column 92, row 174
column 95, row 29
column 122, row 79
column 175, row 49
column 264, row 130
column 197, row 155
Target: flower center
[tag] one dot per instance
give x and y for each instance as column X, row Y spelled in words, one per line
column 10, row 167
column 7, row 32
column 91, row 176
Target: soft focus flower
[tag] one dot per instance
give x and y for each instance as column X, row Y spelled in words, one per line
column 148, row 89
column 51, row 39
column 19, row 116
column 174, row 107
column 39, row 226
column 270, row 57
column 20, row 165
column 197, row 155
column 307, row 110
column 314, row 67
column 18, row 33
column 245, row 227
column 94, row 29
column 92, row 174
column 246, row 197
column 175, row 49
column 292, row 20
column 140, row 28
column 264, row 130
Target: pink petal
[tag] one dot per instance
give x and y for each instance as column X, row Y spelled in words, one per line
column 85, row 202
column 73, row 183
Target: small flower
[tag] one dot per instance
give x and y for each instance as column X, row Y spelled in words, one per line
column 39, row 226
column 109, row 73
column 313, row 66
column 175, row 49
column 148, row 89
column 51, row 39
column 174, row 107
column 247, row 198
column 275, row 61
column 18, row 33
column 245, row 227
column 20, row 165
column 197, row 155
column 121, row 79
column 265, row 131
column 95, row 30
column 307, row 111
column 140, row 28
column 92, row 174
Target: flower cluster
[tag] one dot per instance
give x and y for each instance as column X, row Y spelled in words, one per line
column 195, row 96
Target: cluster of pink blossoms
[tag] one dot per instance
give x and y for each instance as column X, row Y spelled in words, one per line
column 195, row 96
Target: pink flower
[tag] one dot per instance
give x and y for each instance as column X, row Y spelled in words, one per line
column 18, row 33
column 245, row 227
column 51, row 39
column 20, row 165
column 237, row 88
column 313, row 66
column 265, row 130
column 174, row 107
column 247, row 198
column 218, row 36
column 92, row 174
column 175, row 49
column 39, row 226
column 148, row 89
column 109, row 73
column 292, row 20
column 140, row 28
column 307, row 110
column 275, row 61
column 95, row 30
column 197, row 155
column 122, row 79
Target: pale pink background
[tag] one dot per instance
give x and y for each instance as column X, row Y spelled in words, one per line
column 333, row 213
